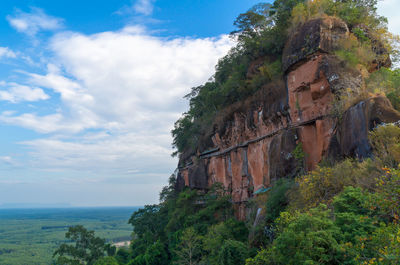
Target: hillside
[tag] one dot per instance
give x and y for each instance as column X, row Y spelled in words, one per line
column 290, row 153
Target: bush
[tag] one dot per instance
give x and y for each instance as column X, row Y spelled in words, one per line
column 322, row 184
column 388, row 187
column 311, row 238
column 387, row 82
column 385, row 141
column 352, row 215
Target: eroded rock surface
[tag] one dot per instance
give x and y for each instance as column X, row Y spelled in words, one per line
column 253, row 145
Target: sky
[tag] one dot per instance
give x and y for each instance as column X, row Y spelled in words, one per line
column 90, row 90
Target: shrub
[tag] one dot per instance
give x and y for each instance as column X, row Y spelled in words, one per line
column 388, row 187
column 352, row 215
column 322, row 184
column 311, row 238
column 385, row 141
column 385, row 245
column 387, row 82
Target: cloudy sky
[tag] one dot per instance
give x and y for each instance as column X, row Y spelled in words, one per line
column 89, row 91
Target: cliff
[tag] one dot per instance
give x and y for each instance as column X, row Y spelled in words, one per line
column 255, row 141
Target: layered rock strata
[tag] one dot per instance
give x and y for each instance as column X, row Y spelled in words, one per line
column 255, row 145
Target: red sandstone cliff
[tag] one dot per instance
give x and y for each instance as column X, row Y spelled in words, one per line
column 254, row 145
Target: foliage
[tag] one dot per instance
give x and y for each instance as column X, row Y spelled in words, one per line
column 260, row 34
column 343, row 213
column 156, row 254
column 30, row 236
column 312, row 238
column 263, row 257
column 385, row 140
column 123, row 256
column 277, row 199
column 189, row 251
column 218, row 234
column 233, row 252
column 106, row 261
column 174, row 231
column 323, row 183
column 385, row 243
column 388, row 187
column 87, row 249
column 388, row 82
column 352, row 215
column 355, row 52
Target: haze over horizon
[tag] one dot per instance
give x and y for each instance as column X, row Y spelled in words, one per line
column 89, row 91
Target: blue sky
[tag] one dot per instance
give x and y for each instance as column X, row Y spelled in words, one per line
column 89, row 91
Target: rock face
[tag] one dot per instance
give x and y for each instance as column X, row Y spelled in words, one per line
column 316, row 35
column 254, row 145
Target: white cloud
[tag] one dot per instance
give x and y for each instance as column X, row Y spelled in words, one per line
column 134, row 154
column 44, row 124
column 16, row 93
column 6, row 159
column 33, row 22
column 7, row 53
column 120, row 94
column 389, row 9
column 144, row 7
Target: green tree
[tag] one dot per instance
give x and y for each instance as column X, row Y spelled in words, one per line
column 312, row 238
column 87, row 248
column 233, row 252
column 123, row 256
column 189, row 250
column 156, row 254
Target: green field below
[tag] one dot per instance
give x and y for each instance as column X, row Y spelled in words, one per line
column 30, row 236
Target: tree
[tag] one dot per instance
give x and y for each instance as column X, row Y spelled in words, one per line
column 309, row 239
column 156, row 254
column 122, row 256
column 190, row 248
column 233, row 252
column 251, row 23
column 87, row 249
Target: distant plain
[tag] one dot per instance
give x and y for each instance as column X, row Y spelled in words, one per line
column 30, row 236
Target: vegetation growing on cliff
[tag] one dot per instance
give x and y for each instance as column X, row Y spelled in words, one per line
column 261, row 34
column 347, row 213
column 343, row 213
